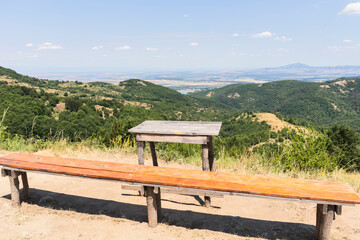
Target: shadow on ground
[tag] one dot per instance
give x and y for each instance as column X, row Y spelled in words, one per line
column 240, row 226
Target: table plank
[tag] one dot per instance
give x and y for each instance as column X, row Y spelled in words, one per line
column 237, row 183
column 187, row 128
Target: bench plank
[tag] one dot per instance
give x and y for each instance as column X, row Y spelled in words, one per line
column 323, row 191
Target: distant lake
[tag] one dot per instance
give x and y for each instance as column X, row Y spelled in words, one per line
column 182, row 92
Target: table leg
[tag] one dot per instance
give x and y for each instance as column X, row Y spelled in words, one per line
column 153, row 153
column 141, row 162
column 141, row 153
column 158, row 193
column 206, row 167
column 211, row 155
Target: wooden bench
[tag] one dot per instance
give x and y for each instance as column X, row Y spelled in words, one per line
column 329, row 196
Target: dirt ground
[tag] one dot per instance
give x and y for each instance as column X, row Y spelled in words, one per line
column 78, row 208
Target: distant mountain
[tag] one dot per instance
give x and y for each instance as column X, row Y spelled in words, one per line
column 327, row 103
column 294, row 66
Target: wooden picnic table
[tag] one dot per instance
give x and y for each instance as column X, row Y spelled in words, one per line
column 179, row 132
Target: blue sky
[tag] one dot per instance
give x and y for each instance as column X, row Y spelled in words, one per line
column 177, row 35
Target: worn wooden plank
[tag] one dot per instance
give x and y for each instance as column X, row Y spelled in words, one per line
column 152, row 207
column 114, row 166
column 178, row 128
column 203, row 191
column 108, row 165
column 324, row 217
column 318, row 191
column 177, row 191
column 171, row 138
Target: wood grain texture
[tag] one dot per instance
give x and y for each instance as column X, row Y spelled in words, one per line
column 14, row 185
column 211, row 155
column 324, row 191
column 152, row 207
column 175, row 191
column 171, row 138
column 153, row 154
column 324, row 217
column 25, row 182
column 178, row 128
column 206, row 167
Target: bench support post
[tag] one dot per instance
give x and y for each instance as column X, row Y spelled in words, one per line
column 206, row 167
column 152, row 207
column 14, row 185
column 157, row 189
column 325, row 214
column 26, row 192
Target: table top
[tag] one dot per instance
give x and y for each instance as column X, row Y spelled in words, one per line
column 187, row 128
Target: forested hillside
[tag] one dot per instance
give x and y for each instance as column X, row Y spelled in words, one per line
column 41, row 111
column 46, row 109
column 324, row 104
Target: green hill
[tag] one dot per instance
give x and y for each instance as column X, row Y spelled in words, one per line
column 47, row 108
column 39, row 111
column 324, row 104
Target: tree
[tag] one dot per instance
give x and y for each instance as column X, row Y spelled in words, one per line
column 73, row 104
column 344, row 141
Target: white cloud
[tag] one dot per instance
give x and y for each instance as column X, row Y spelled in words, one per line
column 29, row 45
column 152, row 49
column 347, row 41
column 338, row 48
column 235, row 35
column 32, row 56
column 282, row 50
column 283, row 39
column 335, row 48
column 181, row 55
column 194, row 44
column 123, row 48
column 97, row 47
column 49, row 46
column 351, row 9
column 266, row 34
column 186, row 15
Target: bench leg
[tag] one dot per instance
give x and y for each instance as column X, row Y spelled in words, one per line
column 205, row 167
column 26, row 192
column 325, row 214
column 152, row 207
column 14, row 185
column 158, row 204
column 157, row 190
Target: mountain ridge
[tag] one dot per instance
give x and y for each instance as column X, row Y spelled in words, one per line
column 323, row 104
